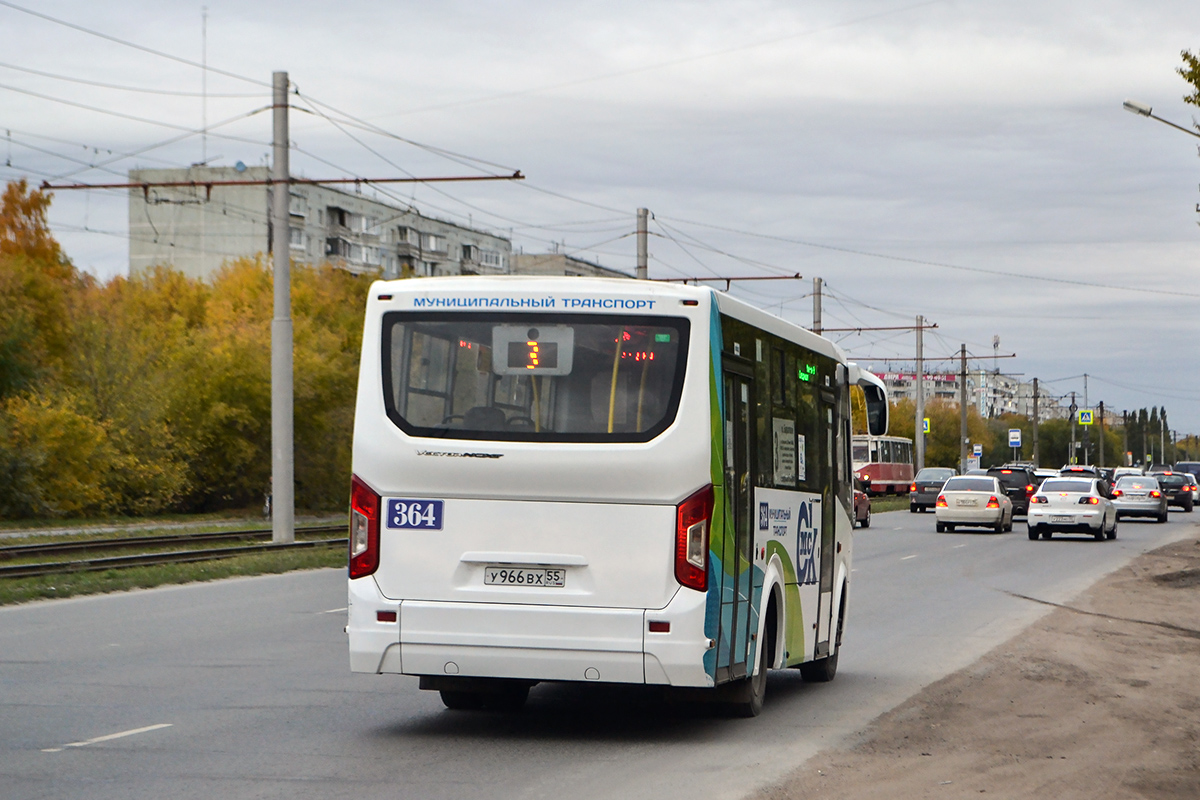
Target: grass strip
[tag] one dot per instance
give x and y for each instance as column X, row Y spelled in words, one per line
column 21, row 590
column 891, row 502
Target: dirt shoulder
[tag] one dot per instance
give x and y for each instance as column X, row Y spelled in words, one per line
column 1100, row 699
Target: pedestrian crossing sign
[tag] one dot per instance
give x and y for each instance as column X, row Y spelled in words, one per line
column 925, row 425
column 1085, row 416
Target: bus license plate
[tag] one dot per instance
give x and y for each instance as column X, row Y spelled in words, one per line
column 520, row 576
column 1061, row 519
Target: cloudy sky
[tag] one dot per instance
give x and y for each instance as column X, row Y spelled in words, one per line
column 965, row 160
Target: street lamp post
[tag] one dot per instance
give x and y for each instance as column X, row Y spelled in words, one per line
column 1141, row 109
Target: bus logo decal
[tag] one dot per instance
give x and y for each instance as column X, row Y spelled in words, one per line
column 414, row 514
column 764, row 516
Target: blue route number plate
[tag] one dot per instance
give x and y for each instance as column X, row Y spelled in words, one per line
column 414, row 514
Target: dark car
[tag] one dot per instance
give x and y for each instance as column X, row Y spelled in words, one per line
column 1019, row 484
column 1176, row 487
column 1190, row 467
column 923, row 492
column 862, row 509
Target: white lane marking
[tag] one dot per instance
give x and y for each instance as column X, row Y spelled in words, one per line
column 109, row 737
column 958, row 546
column 335, row 610
column 906, row 558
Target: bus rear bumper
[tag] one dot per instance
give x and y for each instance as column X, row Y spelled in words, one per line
column 529, row 642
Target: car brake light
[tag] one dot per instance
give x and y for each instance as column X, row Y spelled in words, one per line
column 993, row 502
column 912, row 487
column 941, row 501
column 1038, row 498
column 1030, row 489
column 364, row 529
column 692, row 519
column 1155, row 493
column 1117, row 492
column 1089, row 501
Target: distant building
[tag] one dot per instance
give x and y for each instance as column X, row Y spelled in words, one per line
column 197, row 227
column 560, row 264
column 992, row 394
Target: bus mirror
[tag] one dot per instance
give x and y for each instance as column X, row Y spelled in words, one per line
column 875, row 394
column 877, row 410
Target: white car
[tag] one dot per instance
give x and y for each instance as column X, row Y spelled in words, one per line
column 1072, row 505
column 976, row 501
column 1121, row 472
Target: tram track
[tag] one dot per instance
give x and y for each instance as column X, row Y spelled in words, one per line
column 151, row 558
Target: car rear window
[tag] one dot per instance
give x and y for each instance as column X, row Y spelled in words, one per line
column 964, row 484
column 1130, row 482
column 1081, row 487
column 1172, row 481
column 935, row 474
column 1011, row 478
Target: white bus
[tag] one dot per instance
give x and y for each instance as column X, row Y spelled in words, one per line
column 590, row 479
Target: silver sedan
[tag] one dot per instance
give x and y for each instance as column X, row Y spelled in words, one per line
column 1139, row 496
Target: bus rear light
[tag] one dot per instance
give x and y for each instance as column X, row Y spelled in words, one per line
column 660, row 626
column 993, row 502
column 364, row 529
column 692, row 519
column 385, row 616
column 941, row 501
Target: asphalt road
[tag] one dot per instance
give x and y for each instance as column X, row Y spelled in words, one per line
column 249, row 681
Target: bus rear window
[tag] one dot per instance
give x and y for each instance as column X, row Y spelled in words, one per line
column 533, row 377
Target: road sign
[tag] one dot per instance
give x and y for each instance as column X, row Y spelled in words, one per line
column 1014, row 437
column 973, row 462
column 925, row 426
column 1085, row 416
column 977, row 450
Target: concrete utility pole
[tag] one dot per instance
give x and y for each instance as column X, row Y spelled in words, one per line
column 817, row 306
column 1125, row 437
column 283, row 489
column 1087, row 429
column 919, row 431
column 1037, row 462
column 1074, row 419
column 643, row 272
column 1100, row 458
column 962, row 405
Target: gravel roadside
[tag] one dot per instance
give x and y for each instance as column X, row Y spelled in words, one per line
column 1099, row 699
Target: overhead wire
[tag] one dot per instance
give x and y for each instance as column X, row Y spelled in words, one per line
column 671, row 62
column 942, row 264
column 134, row 45
column 140, row 89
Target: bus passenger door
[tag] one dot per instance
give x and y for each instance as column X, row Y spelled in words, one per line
column 737, row 556
column 831, row 494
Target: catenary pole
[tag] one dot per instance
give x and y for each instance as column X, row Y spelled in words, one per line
column 817, row 306
column 1100, row 458
column 1037, row 419
column 1074, row 418
column 920, row 427
column 282, row 445
column 962, row 407
column 642, row 250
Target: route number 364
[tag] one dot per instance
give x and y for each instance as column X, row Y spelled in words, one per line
column 423, row 514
